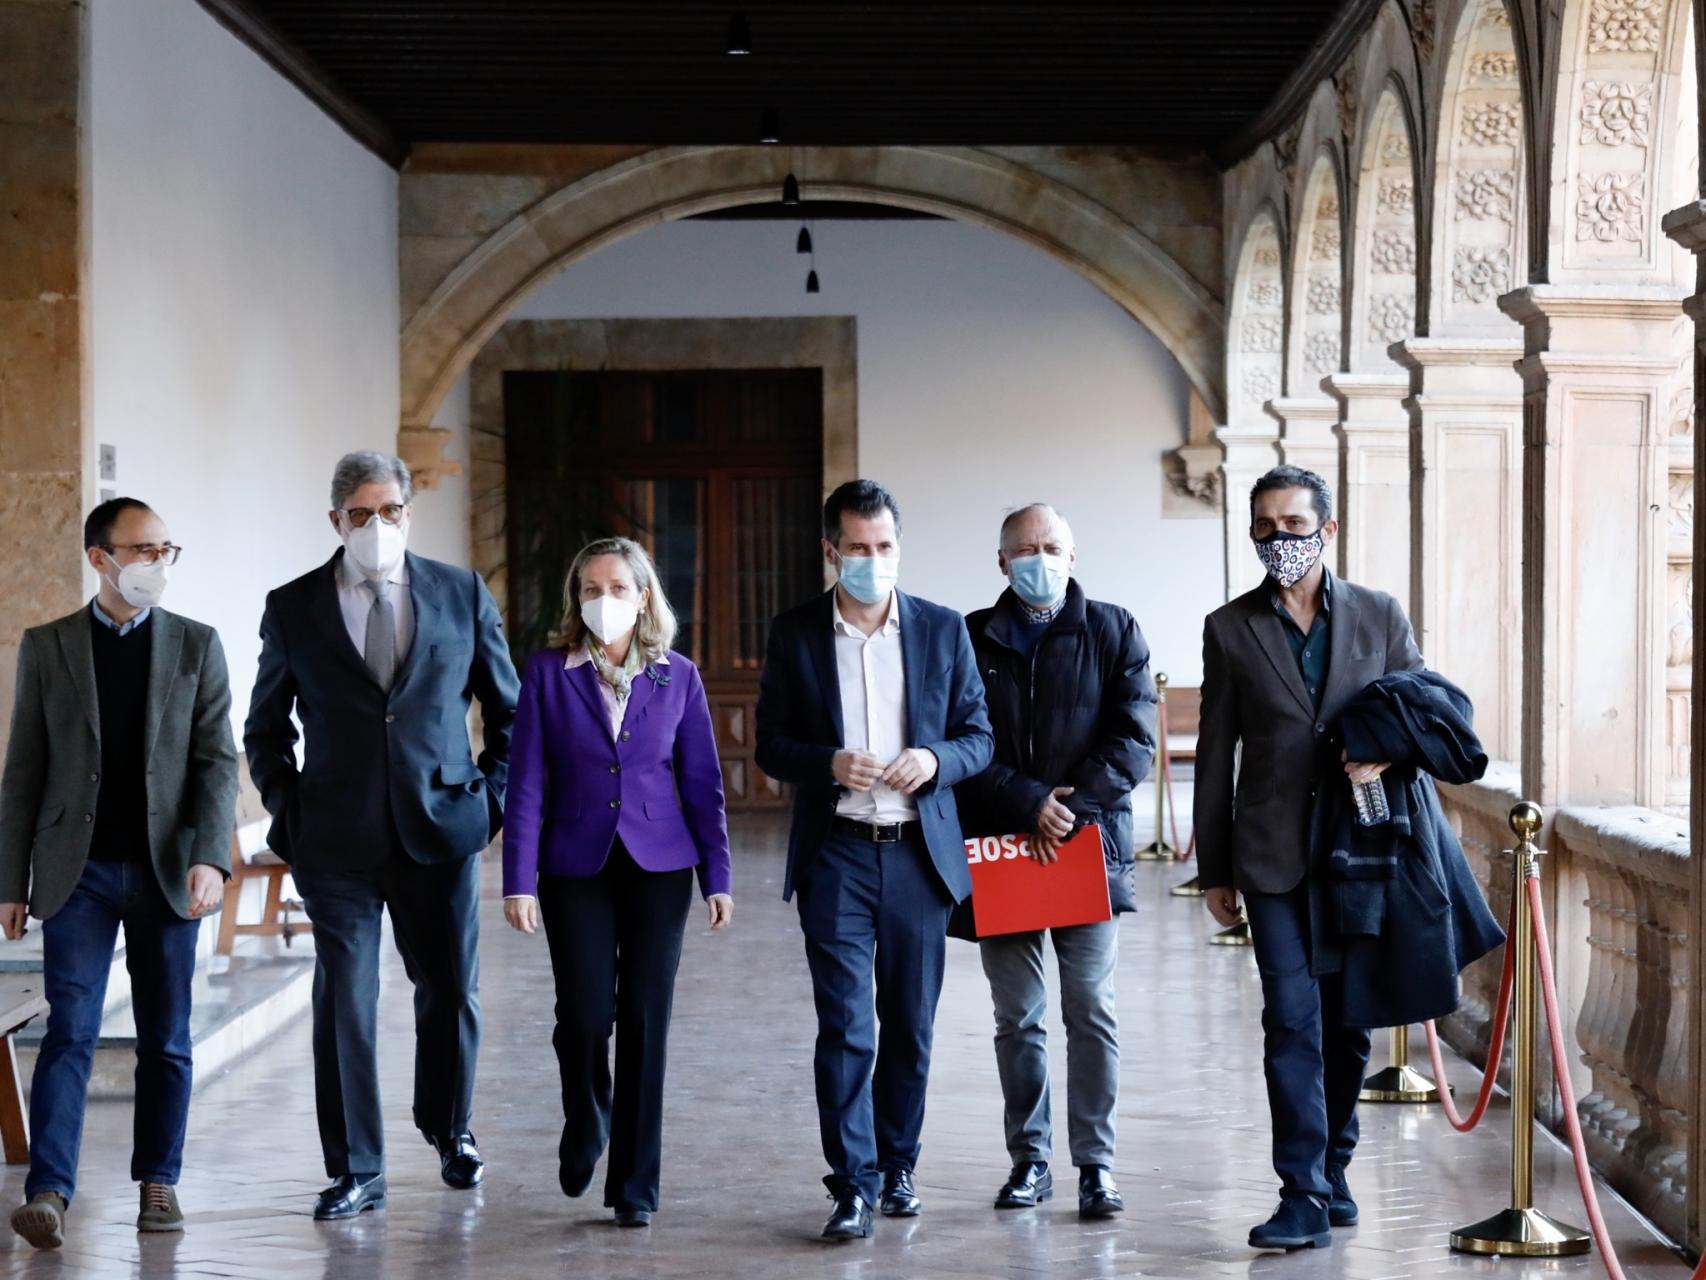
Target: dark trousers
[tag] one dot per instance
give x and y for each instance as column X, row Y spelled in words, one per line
column 77, row 955
column 615, row 946
column 435, row 919
column 875, row 917
column 1314, row 1063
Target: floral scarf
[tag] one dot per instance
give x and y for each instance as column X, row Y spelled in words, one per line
column 620, row 679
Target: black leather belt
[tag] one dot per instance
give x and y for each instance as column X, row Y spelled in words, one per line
column 876, row 832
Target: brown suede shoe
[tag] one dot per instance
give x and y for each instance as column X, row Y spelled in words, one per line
column 160, row 1210
column 42, row 1220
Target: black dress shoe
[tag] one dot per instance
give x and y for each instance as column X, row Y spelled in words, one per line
column 1341, row 1208
column 633, row 1217
column 851, row 1219
column 1026, row 1187
column 458, row 1161
column 900, row 1197
column 1098, row 1197
column 349, row 1196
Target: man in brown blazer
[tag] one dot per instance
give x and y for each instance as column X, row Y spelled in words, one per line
column 1279, row 663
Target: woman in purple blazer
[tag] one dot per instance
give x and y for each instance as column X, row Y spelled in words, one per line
column 615, row 802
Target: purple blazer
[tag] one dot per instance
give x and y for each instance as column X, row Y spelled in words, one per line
column 574, row 786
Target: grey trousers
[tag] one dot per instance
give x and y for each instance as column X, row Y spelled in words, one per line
column 1014, row 965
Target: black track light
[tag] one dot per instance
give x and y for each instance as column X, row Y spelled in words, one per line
column 740, row 37
column 790, row 190
column 770, row 126
column 811, row 282
column 804, row 243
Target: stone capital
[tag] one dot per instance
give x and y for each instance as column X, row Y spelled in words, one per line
column 1370, row 402
column 1248, row 445
column 1616, row 331
column 1421, row 354
column 1304, row 412
column 1687, row 226
column 1591, row 302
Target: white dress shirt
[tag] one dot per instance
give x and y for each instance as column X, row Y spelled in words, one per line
column 873, row 711
column 355, row 601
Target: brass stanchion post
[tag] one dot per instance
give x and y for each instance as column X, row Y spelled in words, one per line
column 1159, row 850
column 1237, row 936
column 1191, row 888
column 1522, row 1231
column 1398, row 1081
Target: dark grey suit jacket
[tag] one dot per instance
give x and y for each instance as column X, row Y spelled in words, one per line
column 53, row 761
column 1253, row 828
column 381, row 767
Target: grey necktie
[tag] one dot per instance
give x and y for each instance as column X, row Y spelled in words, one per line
column 381, row 648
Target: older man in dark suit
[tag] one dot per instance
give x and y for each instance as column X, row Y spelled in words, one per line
column 116, row 811
column 379, row 652
column 1279, row 664
column 871, row 705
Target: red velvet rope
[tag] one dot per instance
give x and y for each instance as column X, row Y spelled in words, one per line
column 1495, row 1043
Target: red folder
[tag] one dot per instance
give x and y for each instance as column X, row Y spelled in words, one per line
column 1013, row 893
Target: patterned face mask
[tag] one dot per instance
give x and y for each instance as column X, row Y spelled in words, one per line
column 1288, row 557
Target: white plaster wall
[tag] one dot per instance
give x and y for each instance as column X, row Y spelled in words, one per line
column 242, row 306
column 989, row 376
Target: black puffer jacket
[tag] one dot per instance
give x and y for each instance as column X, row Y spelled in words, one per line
column 1079, row 712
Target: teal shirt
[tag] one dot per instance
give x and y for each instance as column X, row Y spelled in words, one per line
column 1310, row 650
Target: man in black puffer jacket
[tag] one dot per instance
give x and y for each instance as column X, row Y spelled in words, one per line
column 1072, row 703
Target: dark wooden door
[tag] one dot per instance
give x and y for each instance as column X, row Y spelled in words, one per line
column 716, row 472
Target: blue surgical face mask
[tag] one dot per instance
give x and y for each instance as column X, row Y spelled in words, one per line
column 1039, row 580
column 869, row 579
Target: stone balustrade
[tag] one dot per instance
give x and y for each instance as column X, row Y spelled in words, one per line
column 1632, row 1021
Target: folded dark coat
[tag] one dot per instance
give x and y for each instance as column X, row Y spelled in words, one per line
column 1394, row 907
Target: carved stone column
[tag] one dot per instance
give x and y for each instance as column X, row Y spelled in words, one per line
column 1374, row 503
column 1687, row 226
column 1598, row 377
column 1248, row 452
column 1309, row 438
column 42, row 57
column 1466, row 523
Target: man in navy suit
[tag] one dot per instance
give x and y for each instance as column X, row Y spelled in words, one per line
column 872, row 706
column 378, row 653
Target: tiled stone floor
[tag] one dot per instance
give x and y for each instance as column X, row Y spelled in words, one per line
column 741, row 1195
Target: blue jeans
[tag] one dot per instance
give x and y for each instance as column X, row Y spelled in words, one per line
column 77, row 954
column 875, row 918
column 1313, row 1062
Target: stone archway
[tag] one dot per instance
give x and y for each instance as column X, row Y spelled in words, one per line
column 475, row 292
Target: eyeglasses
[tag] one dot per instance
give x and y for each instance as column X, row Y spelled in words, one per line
column 390, row 513
column 147, row 552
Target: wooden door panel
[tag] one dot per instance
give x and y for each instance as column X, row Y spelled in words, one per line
column 716, row 472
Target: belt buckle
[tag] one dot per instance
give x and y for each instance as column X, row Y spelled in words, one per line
column 885, row 833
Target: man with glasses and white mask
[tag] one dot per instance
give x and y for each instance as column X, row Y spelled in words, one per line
column 116, row 809
column 378, row 652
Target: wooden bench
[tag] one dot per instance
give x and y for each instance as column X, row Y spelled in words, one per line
column 1184, row 719
column 21, row 999
column 252, row 860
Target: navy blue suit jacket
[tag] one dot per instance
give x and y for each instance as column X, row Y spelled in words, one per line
column 381, row 767
column 800, row 725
